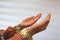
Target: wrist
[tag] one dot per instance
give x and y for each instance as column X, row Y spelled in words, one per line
column 18, row 27
column 26, row 34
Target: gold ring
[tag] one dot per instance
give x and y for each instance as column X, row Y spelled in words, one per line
column 26, row 34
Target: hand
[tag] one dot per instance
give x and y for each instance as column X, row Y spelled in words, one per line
column 9, row 32
column 26, row 22
column 30, row 21
column 40, row 26
column 33, row 29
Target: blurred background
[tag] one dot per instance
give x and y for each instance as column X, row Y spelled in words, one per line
column 12, row 12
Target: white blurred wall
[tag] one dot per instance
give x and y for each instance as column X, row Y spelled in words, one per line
column 13, row 12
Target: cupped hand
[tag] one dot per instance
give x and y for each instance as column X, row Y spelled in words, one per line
column 12, row 35
column 30, row 21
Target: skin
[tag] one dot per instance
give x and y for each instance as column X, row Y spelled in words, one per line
column 9, row 32
column 30, row 21
column 34, row 28
column 40, row 26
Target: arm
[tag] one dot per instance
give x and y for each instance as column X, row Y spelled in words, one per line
column 10, row 31
column 34, row 28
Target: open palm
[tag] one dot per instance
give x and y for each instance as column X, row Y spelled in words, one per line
column 29, row 21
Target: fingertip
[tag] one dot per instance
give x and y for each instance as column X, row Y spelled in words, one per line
column 49, row 14
column 31, row 17
column 39, row 15
column 48, row 17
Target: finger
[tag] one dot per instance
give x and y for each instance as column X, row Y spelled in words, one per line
column 37, row 17
column 48, row 17
column 40, row 26
column 27, row 19
column 32, row 17
column 46, row 20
